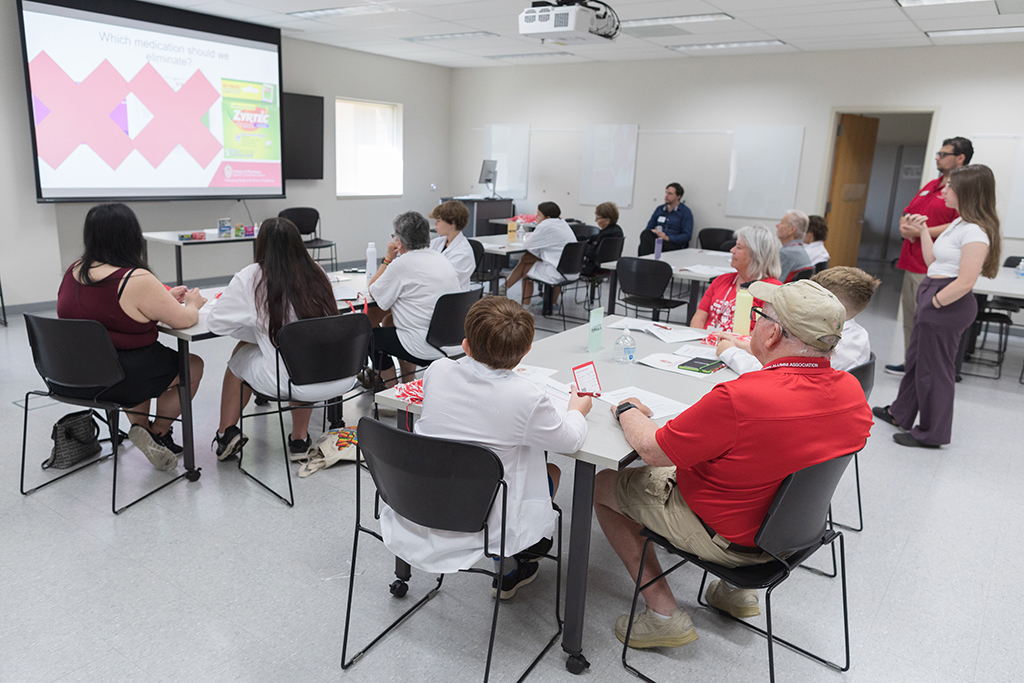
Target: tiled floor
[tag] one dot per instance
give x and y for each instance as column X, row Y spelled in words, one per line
column 218, row 581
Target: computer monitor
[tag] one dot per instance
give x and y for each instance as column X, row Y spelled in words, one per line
column 488, row 171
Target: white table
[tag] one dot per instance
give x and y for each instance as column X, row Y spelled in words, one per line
column 199, row 332
column 605, row 446
column 1005, row 283
column 679, row 259
column 171, row 237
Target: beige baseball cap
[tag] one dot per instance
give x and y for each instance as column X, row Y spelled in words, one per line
column 806, row 309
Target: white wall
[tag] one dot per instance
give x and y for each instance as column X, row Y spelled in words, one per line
column 40, row 240
column 686, row 107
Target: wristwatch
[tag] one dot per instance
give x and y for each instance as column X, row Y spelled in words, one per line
column 623, row 407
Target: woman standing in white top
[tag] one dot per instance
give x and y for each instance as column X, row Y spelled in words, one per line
column 449, row 220
column 969, row 247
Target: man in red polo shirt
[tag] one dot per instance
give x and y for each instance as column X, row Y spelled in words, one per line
column 713, row 471
column 955, row 152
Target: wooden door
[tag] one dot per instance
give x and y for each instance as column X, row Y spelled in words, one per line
column 848, row 193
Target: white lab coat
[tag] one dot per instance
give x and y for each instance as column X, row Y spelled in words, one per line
column 460, row 254
column 410, row 288
column 852, row 350
column 235, row 314
column 468, row 401
column 546, row 242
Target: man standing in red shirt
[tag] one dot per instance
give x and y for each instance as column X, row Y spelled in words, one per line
column 955, row 152
column 713, row 471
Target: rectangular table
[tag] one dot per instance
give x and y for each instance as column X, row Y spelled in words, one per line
column 681, row 258
column 605, row 446
column 170, row 237
column 199, row 332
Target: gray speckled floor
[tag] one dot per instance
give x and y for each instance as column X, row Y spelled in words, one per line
column 217, row 581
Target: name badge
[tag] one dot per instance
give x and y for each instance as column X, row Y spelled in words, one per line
column 661, row 219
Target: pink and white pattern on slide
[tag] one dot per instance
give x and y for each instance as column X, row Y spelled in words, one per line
column 720, row 314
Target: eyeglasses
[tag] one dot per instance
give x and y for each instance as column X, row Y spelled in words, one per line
column 759, row 311
column 943, row 155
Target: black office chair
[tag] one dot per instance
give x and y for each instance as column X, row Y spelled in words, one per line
column 313, row 351
column 569, row 266
column 728, row 245
column 820, row 266
column 715, row 238
column 307, row 220
column 978, row 354
column 800, row 274
column 609, row 249
column 865, row 374
column 78, row 354
column 582, row 231
column 643, row 284
column 483, row 273
column 793, row 530
column 439, row 484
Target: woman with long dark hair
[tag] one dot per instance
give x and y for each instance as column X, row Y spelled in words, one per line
column 284, row 285
column 111, row 283
column 969, row 247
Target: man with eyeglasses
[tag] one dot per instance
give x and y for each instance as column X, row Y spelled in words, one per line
column 713, row 471
column 955, row 152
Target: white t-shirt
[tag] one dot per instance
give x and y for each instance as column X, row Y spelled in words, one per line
column 410, row 288
column 948, row 245
column 460, row 253
column 817, row 252
column 853, row 349
column 546, row 242
column 467, row 401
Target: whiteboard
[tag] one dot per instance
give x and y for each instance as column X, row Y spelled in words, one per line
column 608, row 164
column 509, row 145
column 1012, row 224
column 763, row 170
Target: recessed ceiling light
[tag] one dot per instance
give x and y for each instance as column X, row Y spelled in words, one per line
column 532, row 55
column 453, row 36
column 725, row 46
column 346, row 11
column 918, row 3
column 660, row 21
column 974, row 32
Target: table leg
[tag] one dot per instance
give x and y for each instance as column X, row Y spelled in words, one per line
column 691, row 306
column 578, row 565
column 177, row 263
column 185, row 398
column 613, row 287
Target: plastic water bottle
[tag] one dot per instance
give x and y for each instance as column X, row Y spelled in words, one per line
column 520, row 233
column 1019, row 270
column 625, row 349
column 371, row 259
column 658, row 246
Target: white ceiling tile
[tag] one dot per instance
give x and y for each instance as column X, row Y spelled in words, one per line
column 891, row 14
column 947, row 11
column 812, row 33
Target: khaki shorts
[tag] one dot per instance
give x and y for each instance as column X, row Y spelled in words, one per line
column 648, row 496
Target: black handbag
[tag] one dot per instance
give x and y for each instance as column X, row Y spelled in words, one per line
column 75, row 438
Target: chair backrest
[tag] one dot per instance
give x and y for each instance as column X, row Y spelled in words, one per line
column 448, row 323
column 73, row 353
column 305, row 218
column 800, row 274
column 643, row 277
column 820, row 266
column 436, row 483
column 571, row 261
column 865, row 374
column 325, row 349
column 797, row 517
column 727, row 245
column 1012, row 261
column 478, row 254
column 610, row 249
column 714, row 238
column 583, row 231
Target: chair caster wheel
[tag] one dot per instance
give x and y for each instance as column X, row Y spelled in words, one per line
column 576, row 664
column 193, row 475
column 399, row 588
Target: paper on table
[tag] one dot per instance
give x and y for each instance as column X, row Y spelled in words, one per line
column 630, row 324
column 532, row 372
column 344, row 292
column 689, row 351
column 710, row 271
column 661, row 407
column 670, row 362
column 676, row 335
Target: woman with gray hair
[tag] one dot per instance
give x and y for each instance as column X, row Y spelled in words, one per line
column 410, row 280
column 755, row 257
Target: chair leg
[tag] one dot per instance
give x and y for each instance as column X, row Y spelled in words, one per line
column 860, row 508
column 632, row 615
column 290, row 500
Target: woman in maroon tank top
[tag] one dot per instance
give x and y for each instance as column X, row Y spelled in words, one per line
column 112, row 284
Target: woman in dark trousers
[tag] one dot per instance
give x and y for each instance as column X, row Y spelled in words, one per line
column 945, row 307
column 606, row 216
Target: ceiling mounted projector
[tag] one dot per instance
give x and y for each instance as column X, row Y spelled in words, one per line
column 568, row 22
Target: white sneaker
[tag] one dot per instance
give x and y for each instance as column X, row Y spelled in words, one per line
column 159, row 455
column 651, row 630
column 739, row 602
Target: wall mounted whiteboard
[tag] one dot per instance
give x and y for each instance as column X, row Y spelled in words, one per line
column 608, row 165
column 763, row 170
column 1012, row 224
column 509, row 145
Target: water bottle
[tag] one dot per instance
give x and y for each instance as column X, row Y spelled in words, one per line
column 625, row 349
column 520, row 233
column 1019, row 270
column 658, row 245
column 371, row 259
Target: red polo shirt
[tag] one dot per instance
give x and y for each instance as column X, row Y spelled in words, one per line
column 928, row 202
column 733, row 448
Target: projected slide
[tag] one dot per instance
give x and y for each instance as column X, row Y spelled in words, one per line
column 132, row 109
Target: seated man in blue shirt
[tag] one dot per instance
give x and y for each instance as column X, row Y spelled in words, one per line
column 672, row 222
